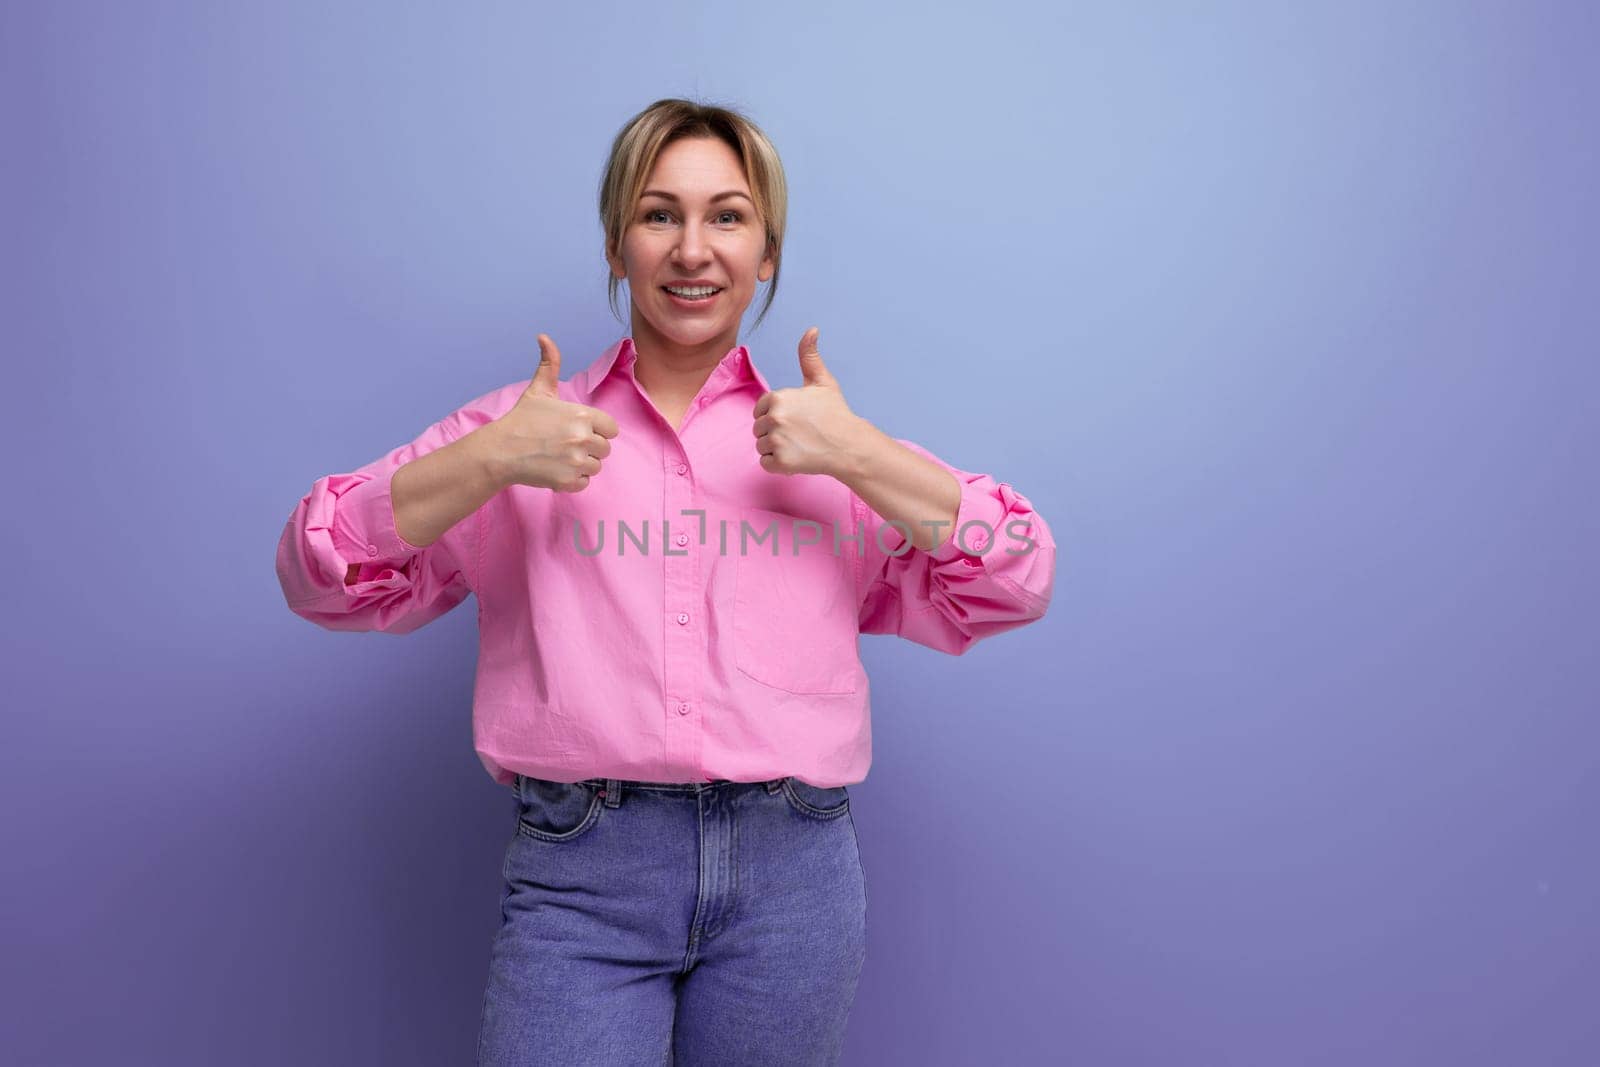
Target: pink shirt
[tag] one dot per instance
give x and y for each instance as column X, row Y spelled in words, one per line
column 714, row 634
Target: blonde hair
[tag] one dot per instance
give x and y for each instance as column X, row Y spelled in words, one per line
column 634, row 152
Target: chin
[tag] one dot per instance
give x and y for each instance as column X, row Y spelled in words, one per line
column 692, row 333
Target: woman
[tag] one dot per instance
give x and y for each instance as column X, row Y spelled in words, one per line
column 673, row 563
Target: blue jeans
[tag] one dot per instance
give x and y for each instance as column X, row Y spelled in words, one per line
column 649, row 923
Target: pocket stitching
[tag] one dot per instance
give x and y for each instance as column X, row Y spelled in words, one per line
column 743, row 648
column 527, row 829
column 810, row 810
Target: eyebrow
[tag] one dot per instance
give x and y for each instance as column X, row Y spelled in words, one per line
column 673, row 197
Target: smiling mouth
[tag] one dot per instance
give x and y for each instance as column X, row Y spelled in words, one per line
column 691, row 300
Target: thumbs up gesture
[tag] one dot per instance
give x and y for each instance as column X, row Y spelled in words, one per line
column 548, row 442
column 809, row 429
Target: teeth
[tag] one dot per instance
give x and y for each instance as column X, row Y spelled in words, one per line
column 703, row 290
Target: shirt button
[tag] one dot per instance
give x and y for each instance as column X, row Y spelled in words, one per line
column 683, row 618
column 683, row 468
column 372, row 550
column 683, row 707
column 683, row 539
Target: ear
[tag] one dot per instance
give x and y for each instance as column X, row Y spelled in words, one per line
column 769, row 263
column 619, row 269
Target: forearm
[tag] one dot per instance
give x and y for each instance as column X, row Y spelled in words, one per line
column 900, row 485
column 435, row 491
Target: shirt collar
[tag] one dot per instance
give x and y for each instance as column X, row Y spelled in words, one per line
column 734, row 368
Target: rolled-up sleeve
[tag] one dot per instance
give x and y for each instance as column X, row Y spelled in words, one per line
column 995, row 573
column 348, row 520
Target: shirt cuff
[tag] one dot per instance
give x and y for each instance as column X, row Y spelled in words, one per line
column 363, row 524
column 981, row 506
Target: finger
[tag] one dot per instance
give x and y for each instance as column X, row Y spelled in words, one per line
column 598, row 446
column 603, row 424
column 547, row 378
column 811, row 365
column 762, row 405
column 763, row 425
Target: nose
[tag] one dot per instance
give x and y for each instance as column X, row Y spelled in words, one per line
column 692, row 248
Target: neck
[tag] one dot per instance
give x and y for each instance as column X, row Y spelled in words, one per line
column 667, row 370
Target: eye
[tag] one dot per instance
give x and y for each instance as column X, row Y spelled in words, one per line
column 736, row 217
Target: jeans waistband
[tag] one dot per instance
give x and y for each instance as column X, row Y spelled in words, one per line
column 677, row 787
column 613, row 788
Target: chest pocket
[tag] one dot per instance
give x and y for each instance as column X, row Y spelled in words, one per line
column 794, row 613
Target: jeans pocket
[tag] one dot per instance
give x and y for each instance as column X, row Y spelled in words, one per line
column 815, row 801
column 556, row 811
column 794, row 606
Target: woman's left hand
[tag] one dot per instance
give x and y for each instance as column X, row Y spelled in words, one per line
column 808, row 429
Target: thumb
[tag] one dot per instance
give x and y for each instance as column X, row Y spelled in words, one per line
column 812, row 368
column 548, row 376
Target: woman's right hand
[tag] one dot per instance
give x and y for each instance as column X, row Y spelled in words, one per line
column 548, row 442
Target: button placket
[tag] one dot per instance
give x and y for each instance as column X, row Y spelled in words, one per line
column 684, row 636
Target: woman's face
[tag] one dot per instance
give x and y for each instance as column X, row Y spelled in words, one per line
column 684, row 230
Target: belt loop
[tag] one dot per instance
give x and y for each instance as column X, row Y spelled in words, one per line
column 774, row 785
column 613, row 792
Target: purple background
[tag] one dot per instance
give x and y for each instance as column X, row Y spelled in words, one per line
column 1283, row 316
